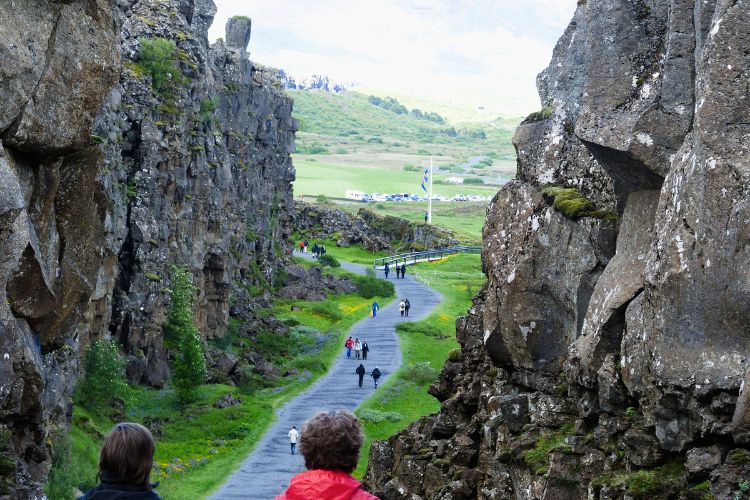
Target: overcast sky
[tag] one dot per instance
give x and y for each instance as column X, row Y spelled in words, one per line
column 461, row 51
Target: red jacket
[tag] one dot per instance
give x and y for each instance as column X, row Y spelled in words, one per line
column 348, row 344
column 322, row 484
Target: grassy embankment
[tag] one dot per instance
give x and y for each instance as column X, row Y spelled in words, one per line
column 198, row 446
column 425, row 345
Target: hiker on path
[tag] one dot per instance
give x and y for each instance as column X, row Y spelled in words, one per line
column 357, row 348
column 322, row 249
column 375, row 376
column 301, row 246
column 349, row 344
column 315, row 250
column 398, row 271
column 407, row 305
column 402, row 307
column 386, row 270
column 125, row 464
column 365, row 349
column 305, row 247
column 293, row 434
column 375, row 307
column 403, row 270
column 360, row 371
column 330, row 443
column 426, row 217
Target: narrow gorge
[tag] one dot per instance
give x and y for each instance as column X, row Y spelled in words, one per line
column 110, row 172
column 606, row 355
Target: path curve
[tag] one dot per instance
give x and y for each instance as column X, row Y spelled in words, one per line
column 266, row 472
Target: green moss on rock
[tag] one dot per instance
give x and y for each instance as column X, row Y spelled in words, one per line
column 454, row 354
column 573, row 204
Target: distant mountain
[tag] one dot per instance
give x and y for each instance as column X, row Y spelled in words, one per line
column 314, row 82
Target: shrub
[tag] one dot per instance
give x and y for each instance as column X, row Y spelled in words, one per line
column 104, row 379
column 368, row 287
column 342, row 151
column 249, row 381
column 411, row 328
column 328, row 261
column 207, row 107
column 377, row 416
column 158, row 58
column 540, row 115
column 322, row 198
column 188, row 364
column 370, row 272
column 420, row 373
column 454, row 354
column 473, row 180
column 62, row 482
column 411, row 168
column 327, row 310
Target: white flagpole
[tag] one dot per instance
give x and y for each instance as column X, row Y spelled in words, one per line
column 429, row 212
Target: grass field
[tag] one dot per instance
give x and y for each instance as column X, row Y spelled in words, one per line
column 198, row 446
column 425, row 345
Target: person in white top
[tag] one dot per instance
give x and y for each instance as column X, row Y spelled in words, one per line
column 293, row 434
column 357, row 349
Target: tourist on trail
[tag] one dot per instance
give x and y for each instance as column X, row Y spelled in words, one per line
column 125, row 464
column 375, row 376
column 315, row 250
column 357, row 348
column 305, row 250
column 407, row 305
column 330, row 443
column 365, row 349
column 402, row 307
column 386, row 270
column 322, row 249
column 360, row 371
column 375, row 307
column 403, row 270
column 426, row 217
column 293, row 434
column 349, row 344
column 398, row 271
column 301, row 246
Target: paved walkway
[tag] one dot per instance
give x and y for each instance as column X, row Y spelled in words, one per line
column 266, row 472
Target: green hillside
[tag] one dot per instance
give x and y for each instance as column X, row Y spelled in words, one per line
column 352, row 141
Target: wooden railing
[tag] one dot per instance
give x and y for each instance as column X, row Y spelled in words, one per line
column 425, row 256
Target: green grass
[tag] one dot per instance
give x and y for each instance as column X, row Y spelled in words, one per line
column 199, row 446
column 428, row 342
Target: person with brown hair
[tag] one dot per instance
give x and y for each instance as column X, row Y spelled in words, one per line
column 330, row 443
column 125, row 464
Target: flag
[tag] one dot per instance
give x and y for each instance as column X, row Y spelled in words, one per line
column 425, row 178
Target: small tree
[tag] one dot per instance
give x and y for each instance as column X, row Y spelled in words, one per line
column 157, row 57
column 104, row 379
column 188, row 364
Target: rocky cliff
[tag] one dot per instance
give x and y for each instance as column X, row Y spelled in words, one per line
column 112, row 168
column 606, row 355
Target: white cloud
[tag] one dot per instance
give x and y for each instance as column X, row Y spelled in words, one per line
column 474, row 51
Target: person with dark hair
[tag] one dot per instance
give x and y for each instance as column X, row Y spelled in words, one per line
column 315, row 250
column 407, row 306
column 125, row 464
column 386, row 270
column 360, row 371
column 375, row 374
column 398, row 271
column 403, row 270
column 293, row 435
column 330, row 443
column 365, row 349
column 349, row 344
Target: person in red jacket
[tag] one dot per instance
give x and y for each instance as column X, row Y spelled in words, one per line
column 330, row 443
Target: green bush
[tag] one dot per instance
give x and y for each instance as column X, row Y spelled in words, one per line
column 420, row 373
column 377, row 416
column 249, row 381
column 62, row 481
column 454, row 354
column 327, row 310
column 322, row 198
column 188, row 363
column 410, row 328
column 104, row 379
column 473, row 180
column 207, row 107
column 158, row 58
column 328, row 261
column 368, row 287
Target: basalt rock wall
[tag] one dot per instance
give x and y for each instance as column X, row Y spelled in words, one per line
column 107, row 179
column 606, row 355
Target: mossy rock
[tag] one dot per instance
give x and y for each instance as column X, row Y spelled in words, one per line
column 491, row 373
column 441, row 462
column 7, row 465
column 573, row 204
column 739, row 456
column 454, row 354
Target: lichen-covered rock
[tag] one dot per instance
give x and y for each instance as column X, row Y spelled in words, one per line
column 626, row 334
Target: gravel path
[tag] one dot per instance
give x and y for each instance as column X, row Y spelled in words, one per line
column 266, row 472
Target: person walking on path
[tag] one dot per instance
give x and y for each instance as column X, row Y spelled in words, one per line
column 375, row 376
column 375, row 307
column 301, row 247
column 365, row 349
column 315, row 250
column 293, row 434
column 407, row 306
column 357, row 348
column 398, row 271
column 360, row 371
column 386, row 270
column 402, row 307
column 322, row 249
column 349, row 344
column 403, row 270
column 330, row 443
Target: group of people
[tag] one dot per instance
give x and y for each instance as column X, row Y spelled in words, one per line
column 317, row 250
column 329, row 443
column 360, row 348
column 404, row 307
column 375, row 374
column 400, row 270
